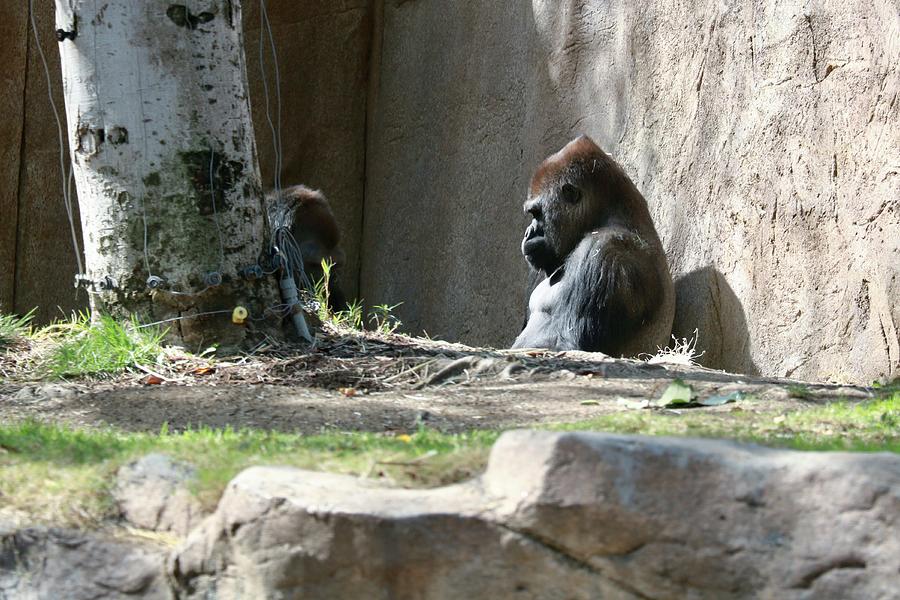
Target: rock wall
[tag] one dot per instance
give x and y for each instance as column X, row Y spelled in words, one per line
column 12, row 88
column 763, row 135
column 556, row 515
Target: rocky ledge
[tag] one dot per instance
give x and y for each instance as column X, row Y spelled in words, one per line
column 556, row 515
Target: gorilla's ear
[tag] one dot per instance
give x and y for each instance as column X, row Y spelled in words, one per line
column 570, row 194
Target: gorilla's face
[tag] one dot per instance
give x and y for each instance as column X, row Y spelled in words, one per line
column 557, row 218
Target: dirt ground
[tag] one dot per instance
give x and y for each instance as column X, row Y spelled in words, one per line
column 384, row 383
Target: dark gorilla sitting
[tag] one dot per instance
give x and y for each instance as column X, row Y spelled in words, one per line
column 308, row 215
column 606, row 286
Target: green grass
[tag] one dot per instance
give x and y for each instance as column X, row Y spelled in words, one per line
column 872, row 426
column 103, row 347
column 59, row 474
column 62, row 475
column 13, row 327
column 381, row 317
column 799, row 391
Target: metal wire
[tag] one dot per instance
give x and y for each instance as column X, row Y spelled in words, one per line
column 274, row 127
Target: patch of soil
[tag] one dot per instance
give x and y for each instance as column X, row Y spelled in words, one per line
column 378, row 383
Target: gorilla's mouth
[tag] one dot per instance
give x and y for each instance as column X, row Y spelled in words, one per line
column 534, row 246
column 535, row 231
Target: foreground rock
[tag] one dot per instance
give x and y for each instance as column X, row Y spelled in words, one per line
column 38, row 563
column 153, row 493
column 563, row 516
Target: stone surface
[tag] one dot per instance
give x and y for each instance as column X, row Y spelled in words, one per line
column 702, row 518
column 762, row 134
column 570, row 515
column 285, row 533
column 38, row 563
column 153, row 493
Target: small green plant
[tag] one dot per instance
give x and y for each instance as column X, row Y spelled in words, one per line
column 352, row 317
column 800, row 391
column 104, row 347
column 383, row 319
column 322, row 293
column 13, row 327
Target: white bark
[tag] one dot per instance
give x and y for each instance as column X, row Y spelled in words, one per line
column 157, row 99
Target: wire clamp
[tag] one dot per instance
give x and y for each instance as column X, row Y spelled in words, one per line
column 252, row 273
column 213, row 279
column 154, row 282
column 63, row 35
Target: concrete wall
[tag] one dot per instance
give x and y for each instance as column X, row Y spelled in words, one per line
column 323, row 52
column 37, row 260
column 12, row 104
column 763, row 134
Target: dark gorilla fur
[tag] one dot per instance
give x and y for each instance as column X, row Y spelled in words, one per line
column 605, row 283
column 314, row 227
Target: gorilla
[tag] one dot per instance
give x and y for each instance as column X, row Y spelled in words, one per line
column 308, row 215
column 605, row 285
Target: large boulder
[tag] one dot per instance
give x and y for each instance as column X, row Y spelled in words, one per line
column 569, row 515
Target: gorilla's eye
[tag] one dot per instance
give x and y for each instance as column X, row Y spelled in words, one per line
column 570, row 194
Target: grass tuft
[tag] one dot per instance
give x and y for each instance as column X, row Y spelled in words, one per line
column 682, row 352
column 103, row 347
column 381, row 318
column 14, row 328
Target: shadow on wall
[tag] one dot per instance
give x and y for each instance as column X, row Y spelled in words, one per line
column 704, row 301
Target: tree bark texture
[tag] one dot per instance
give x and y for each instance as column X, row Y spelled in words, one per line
column 165, row 163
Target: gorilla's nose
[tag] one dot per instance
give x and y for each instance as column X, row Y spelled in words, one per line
column 533, row 207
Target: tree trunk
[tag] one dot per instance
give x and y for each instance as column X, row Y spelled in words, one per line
column 165, row 163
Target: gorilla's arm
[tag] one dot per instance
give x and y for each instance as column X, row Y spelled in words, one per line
column 610, row 288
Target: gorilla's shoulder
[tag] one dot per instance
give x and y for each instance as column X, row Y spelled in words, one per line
column 610, row 242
